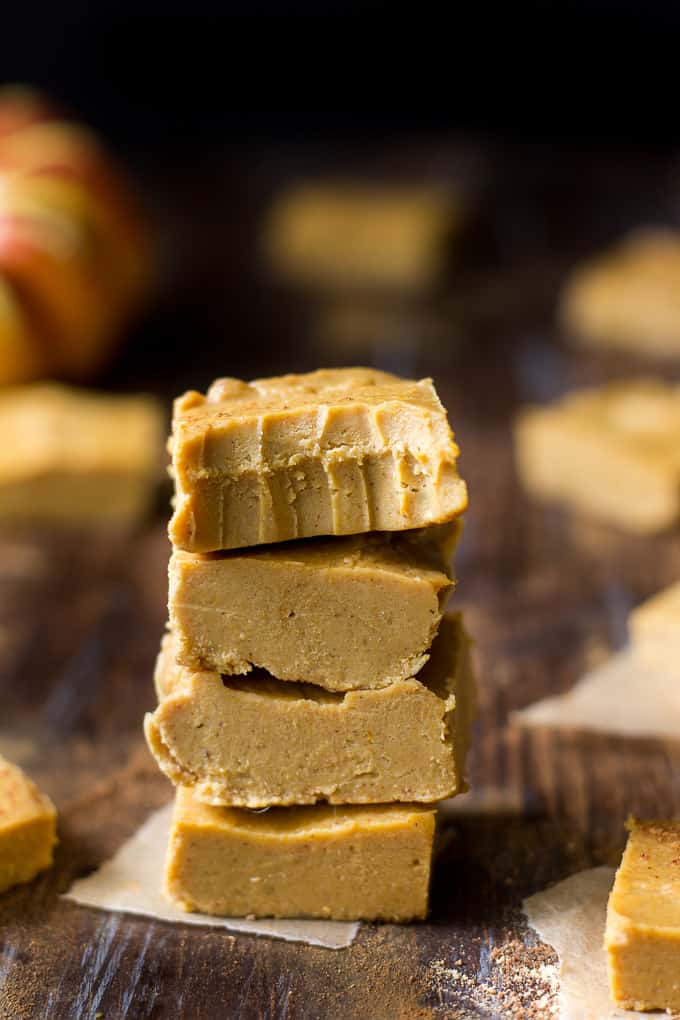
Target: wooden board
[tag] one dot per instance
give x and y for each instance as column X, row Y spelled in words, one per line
column 80, row 620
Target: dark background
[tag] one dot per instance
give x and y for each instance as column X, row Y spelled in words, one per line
column 560, row 124
column 174, row 73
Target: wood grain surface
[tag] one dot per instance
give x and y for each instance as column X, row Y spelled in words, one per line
column 81, row 615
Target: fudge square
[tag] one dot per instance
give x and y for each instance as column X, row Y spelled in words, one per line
column 654, row 628
column 333, row 452
column 352, row 863
column 642, row 937
column 256, row 742
column 355, row 611
column 77, row 456
column 350, row 234
column 612, row 451
column 28, row 824
column 628, row 297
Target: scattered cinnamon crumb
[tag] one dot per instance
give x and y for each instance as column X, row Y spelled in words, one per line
column 522, row 982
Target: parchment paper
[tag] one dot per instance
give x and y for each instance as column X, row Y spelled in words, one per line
column 571, row 916
column 622, row 696
column 130, row 883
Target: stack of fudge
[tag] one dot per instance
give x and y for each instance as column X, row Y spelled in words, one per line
column 314, row 701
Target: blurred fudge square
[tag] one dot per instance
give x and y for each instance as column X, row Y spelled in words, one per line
column 333, row 452
column 612, row 451
column 359, row 236
column 28, row 823
column 77, row 455
column 628, row 298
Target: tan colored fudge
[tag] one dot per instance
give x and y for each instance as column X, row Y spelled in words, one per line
column 360, row 611
column 612, row 451
column 76, row 455
column 351, row 863
column 257, row 742
column 28, row 823
column 642, row 938
column 333, row 452
column 350, row 235
column 628, row 298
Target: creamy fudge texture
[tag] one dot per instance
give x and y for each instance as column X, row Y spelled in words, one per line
column 256, row 742
column 358, row 611
column 27, row 827
column 333, row 452
column 352, row 863
column 612, row 451
column 346, row 234
column 642, row 936
column 655, row 630
column 628, row 298
column 76, row 455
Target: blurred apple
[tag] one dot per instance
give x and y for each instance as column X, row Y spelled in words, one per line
column 21, row 358
column 21, row 106
column 73, row 248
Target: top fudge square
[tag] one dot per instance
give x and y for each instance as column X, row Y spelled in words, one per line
column 333, row 452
